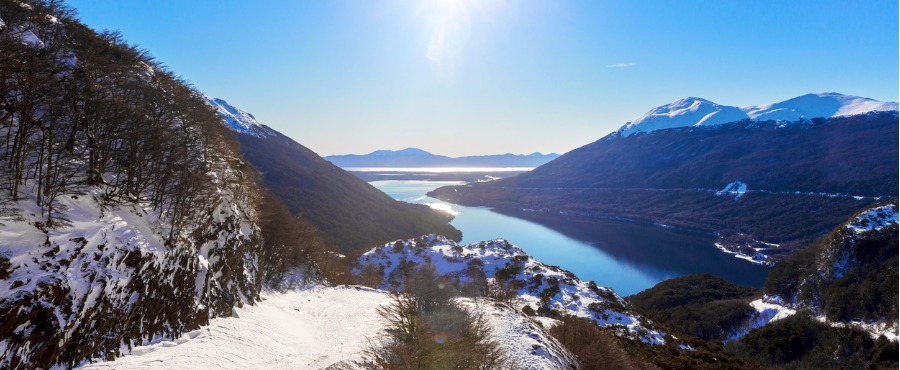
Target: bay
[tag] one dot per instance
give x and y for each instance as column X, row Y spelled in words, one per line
column 628, row 257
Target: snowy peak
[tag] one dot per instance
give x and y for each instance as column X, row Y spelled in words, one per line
column 692, row 111
column 683, row 113
column 818, row 105
column 239, row 120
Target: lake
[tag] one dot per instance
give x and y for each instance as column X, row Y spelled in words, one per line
column 628, row 257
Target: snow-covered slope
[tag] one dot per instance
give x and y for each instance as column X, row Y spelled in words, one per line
column 539, row 286
column 683, row 113
column 525, row 343
column 109, row 279
column 817, row 105
column 690, row 112
column 856, row 255
column 307, row 329
column 325, row 327
column 239, row 120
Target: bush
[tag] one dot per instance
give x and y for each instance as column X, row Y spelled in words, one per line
column 594, row 347
column 429, row 331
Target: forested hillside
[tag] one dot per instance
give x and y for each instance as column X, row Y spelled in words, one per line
column 127, row 212
column 349, row 212
column 733, row 179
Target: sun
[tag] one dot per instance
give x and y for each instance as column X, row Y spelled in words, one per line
column 449, row 25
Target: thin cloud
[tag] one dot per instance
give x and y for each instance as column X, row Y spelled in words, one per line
column 621, row 65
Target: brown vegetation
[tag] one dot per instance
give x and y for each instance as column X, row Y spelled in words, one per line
column 428, row 330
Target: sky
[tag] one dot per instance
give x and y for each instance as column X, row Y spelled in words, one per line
column 474, row 77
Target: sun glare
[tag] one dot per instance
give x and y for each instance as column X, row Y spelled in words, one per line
column 449, row 23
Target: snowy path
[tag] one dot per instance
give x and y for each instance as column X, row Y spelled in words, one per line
column 310, row 329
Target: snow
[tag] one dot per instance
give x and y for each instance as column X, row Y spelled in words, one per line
column 874, row 219
column 817, row 105
column 574, row 297
column 766, row 312
column 239, row 120
column 770, row 309
column 737, row 188
column 683, row 113
column 306, row 329
column 692, row 111
column 759, row 258
column 27, row 37
column 317, row 327
column 523, row 340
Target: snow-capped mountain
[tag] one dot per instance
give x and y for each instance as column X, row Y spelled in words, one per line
column 239, row 120
column 701, row 112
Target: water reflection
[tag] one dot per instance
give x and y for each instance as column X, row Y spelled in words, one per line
column 627, row 257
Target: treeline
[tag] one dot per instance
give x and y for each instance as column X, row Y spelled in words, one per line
column 81, row 108
column 844, row 276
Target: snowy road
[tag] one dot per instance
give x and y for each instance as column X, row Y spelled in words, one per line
column 310, row 329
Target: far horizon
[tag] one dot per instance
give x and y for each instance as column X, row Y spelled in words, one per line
column 473, row 77
column 433, row 153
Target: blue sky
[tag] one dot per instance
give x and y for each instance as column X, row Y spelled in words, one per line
column 465, row 77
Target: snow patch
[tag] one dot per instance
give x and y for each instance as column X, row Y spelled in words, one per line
column 874, row 219
column 239, row 120
column 737, row 188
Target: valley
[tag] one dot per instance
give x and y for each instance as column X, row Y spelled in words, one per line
column 148, row 223
column 626, row 256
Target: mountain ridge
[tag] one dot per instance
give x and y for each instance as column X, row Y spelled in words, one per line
column 824, row 169
column 693, row 111
column 348, row 211
column 415, row 157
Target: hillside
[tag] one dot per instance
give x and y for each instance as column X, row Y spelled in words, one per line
column 733, row 179
column 545, row 290
column 125, row 214
column 413, row 157
column 832, row 304
column 697, row 112
column 848, row 275
column 348, row 211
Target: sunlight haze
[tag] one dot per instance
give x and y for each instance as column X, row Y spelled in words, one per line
column 472, row 77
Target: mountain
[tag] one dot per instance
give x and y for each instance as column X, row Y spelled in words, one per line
column 849, row 275
column 833, row 304
column 126, row 216
column 412, row 157
column 348, row 211
column 734, row 179
column 701, row 112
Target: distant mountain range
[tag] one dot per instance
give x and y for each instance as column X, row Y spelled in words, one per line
column 779, row 181
column 413, row 157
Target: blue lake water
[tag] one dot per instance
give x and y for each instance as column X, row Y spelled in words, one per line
column 628, row 257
